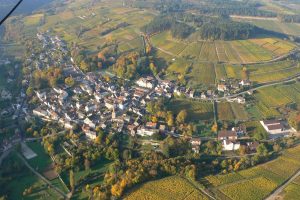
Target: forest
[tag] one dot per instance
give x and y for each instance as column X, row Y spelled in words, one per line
column 209, row 27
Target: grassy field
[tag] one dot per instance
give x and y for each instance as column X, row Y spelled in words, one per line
column 173, row 187
column 274, row 25
column 42, row 160
column 25, row 179
column 196, row 110
column 259, row 181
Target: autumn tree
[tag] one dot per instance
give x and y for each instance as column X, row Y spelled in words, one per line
column 181, row 117
column 72, row 180
column 84, row 66
column 69, row 81
column 245, row 73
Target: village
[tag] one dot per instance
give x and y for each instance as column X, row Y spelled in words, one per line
column 97, row 100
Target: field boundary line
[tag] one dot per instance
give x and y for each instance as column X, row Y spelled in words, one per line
column 200, row 189
column 42, row 177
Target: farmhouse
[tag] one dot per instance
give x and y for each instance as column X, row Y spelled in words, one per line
column 275, row 128
column 227, row 135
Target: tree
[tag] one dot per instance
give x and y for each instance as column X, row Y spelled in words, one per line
column 117, row 190
column 29, row 91
column 242, row 150
column 170, row 119
column 294, row 120
column 87, row 164
column 245, row 74
column 276, row 147
column 69, row 81
column 72, row 180
column 262, row 150
column 214, row 128
column 181, row 117
column 84, row 66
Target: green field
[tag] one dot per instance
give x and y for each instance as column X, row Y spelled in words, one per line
column 257, row 182
column 25, row 179
column 275, row 25
column 196, row 110
column 171, row 188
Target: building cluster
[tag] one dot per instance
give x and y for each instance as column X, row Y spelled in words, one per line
column 95, row 102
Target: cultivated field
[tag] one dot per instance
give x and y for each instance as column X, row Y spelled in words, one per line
column 272, row 98
column 196, row 110
column 171, row 188
column 256, row 182
column 231, row 111
column 259, row 73
column 234, row 52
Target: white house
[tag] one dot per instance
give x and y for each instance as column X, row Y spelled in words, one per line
column 148, row 82
column 143, row 131
column 230, row 145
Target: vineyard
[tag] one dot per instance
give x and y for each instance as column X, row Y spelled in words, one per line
column 196, row 110
column 171, row 188
column 273, row 98
column 259, row 181
column 234, row 52
column 231, row 111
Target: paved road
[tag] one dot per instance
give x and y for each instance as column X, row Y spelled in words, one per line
column 275, row 194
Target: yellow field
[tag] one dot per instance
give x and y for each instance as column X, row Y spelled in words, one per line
column 33, row 20
column 171, row 188
column 258, row 182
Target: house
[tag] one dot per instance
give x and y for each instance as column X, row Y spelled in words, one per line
column 89, row 133
column 275, row 128
column 222, row 87
column 148, row 82
column 192, row 93
column 196, row 149
column 195, row 141
column 203, row 96
column 252, row 146
column 162, row 128
column 132, row 129
column 245, row 83
column 230, row 145
column 86, row 88
column 143, row 131
column 240, row 130
column 89, row 122
column 40, row 112
column 151, row 125
column 227, row 135
column 241, row 100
